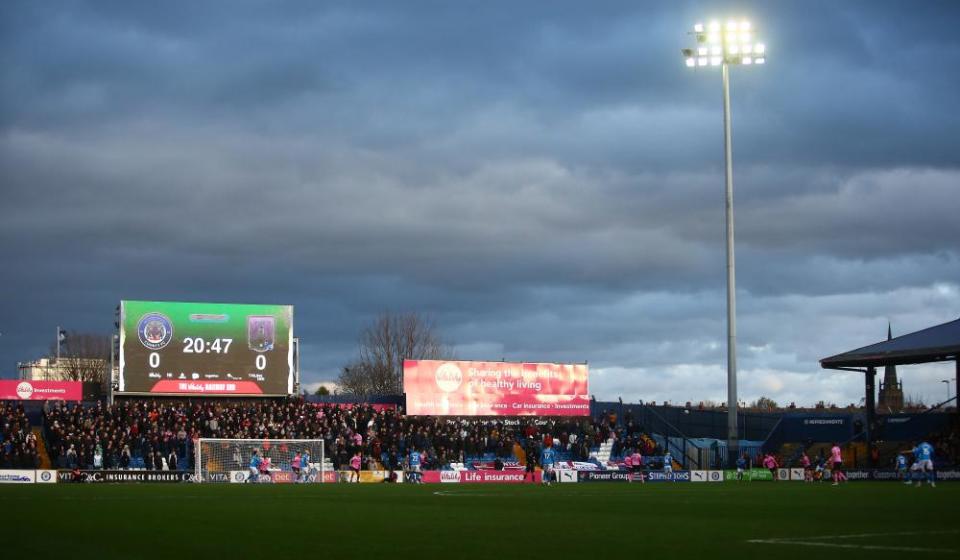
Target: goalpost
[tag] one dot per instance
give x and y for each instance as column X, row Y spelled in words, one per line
column 228, row 460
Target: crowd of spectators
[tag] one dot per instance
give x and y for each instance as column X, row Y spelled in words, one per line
column 946, row 444
column 19, row 444
column 163, row 432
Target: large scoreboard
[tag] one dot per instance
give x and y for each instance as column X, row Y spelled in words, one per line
column 206, row 348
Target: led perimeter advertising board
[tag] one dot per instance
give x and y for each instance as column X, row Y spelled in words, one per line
column 457, row 388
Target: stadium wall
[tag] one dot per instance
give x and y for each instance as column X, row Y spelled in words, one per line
column 355, row 399
column 692, row 422
column 911, row 427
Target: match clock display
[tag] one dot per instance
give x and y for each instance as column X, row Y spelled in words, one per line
column 206, row 348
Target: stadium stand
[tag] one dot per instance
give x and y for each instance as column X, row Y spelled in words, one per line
column 158, row 434
column 19, row 443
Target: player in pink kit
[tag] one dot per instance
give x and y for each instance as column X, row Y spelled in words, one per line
column 355, row 462
column 637, row 461
column 836, row 460
column 265, row 469
column 807, row 471
column 770, row 462
column 295, row 467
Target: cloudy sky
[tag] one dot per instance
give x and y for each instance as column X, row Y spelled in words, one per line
column 544, row 179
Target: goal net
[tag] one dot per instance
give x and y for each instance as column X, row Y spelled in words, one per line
column 228, row 460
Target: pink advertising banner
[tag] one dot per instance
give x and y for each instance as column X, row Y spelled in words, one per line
column 480, row 477
column 499, row 477
column 41, row 390
column 440, row 388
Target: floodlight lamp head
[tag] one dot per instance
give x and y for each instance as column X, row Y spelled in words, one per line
column 729, row 42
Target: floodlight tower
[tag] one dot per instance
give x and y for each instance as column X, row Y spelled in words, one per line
column 724, row 45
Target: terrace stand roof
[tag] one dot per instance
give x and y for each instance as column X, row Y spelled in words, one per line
column 934, row 344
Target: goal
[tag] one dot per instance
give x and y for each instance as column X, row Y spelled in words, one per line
column 228, row 460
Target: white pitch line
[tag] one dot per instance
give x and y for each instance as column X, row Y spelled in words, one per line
column 818, row 541
column 857, row 546
column 871, row 535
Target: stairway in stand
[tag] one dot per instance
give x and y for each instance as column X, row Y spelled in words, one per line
column 45, row 462
column 603, row 454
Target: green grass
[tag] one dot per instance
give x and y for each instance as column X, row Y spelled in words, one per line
column 599, row 520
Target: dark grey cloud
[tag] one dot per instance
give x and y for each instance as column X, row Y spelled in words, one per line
column 545, row 183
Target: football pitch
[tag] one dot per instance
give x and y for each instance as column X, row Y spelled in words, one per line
column 747, row 520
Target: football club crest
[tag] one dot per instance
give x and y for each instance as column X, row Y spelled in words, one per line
column 155, row 331
column 261, row 332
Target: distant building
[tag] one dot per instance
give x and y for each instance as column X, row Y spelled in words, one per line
column 49, row 369
column 891, row 390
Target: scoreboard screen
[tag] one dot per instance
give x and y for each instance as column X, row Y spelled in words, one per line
column 205, row 348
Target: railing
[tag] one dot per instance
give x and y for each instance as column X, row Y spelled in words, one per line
column 774, row 439
column 674, row 440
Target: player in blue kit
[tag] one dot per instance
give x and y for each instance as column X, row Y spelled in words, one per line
column 255, row 462
column 305, row 466
column 902, row 473
column 414, row 463
column 741, row 466
column 548, row 458
column 668, row 466
column 923, row 464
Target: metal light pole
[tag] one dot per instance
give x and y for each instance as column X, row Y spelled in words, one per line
column 947, row 381
column 725, row 46
column 113, row 359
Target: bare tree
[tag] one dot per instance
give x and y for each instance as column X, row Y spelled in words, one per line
column 83, row 357
column 356, row 380
column 382, row 348
column 764, row 403
column 914, row 402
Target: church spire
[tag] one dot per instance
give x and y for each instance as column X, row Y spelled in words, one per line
column 891, row 392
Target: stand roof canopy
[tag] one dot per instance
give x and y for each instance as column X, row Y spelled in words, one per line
column 934, row 344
